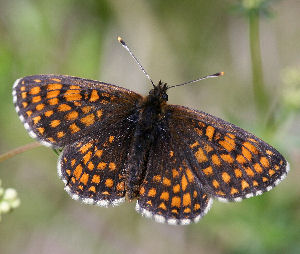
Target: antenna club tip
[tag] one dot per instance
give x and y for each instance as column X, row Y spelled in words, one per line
column 222, row 73
column 121, row 40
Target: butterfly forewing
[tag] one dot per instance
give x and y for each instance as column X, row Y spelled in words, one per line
column 58, row 110
column 230, row 163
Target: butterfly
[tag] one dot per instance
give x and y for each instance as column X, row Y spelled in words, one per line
column 119, row 145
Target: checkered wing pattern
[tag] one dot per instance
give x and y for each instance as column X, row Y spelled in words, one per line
column 230, row 163
column 59, row 110
column 170, row 192
column 93, row 170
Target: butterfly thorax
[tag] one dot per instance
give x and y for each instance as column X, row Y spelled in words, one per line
column 150, row 125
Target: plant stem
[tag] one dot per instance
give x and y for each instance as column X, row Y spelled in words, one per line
column 18, row 150
column 260, row 95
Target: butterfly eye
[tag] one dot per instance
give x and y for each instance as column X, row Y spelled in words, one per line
column 164, row 97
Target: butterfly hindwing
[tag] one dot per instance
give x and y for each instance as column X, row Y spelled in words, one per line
column 170, row 191
column 230, row 163
column 58, row 110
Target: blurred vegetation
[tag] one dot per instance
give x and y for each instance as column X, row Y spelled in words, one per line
column 256, row 43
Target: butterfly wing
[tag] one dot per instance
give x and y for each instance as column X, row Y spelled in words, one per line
column 59, row 110
column 170, row 191
column 230, row 163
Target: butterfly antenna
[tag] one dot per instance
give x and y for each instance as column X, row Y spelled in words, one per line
column 198, row 79
column 136, row 60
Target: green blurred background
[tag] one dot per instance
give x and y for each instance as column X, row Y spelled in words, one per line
column 176, row 41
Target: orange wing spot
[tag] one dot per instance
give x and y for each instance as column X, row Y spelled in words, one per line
column 29, row 112
column 227, row 158
column 215, row 159
column 75, row 87
column 92, row 189
column 176, row 188
column 99, row 113
column 86, row 158
column 201, row 124
column 258, row 168
column 36, row 119
column 174, row 211
column 252, row 140
column 88, row 120
column 74, row 128
column 157, row 178
column 208, row 171
column 221, row 193
column 281, row 162
column 54, row 86
column 96, row 179
column 40, row 107
column 52, row 94
column 37, row 80
column 101, row 165
column 276, row 167
column 91, row 166
column 77, row 103
column 271, row 172
column 121, row 186
column 187, row 210
column 73, row 162
column 176, row 201
column 208, row 148
column 198, row 131
column 200, row 156
column 255, row 183
column 72, row 116
column 250, row 147
column 166, row 181
column 23, row 88
column 269, row 152
column 78, row 171
column 111, row 139
column 105, row 95
column 175, row 173
column 25, row 104
column 228, row 144
column 64, row 107
column 80, row 187
column 195, row 194
column 99, row 153
column 55, row 123
column 186, row 199
column 241, row 159
column 190, row 175
column 247, row 154
column 49, row 113
column 41, row 130
column 226, row 177
column 249, row 171
column 238, row 173
column 60, row 134
column 149, row 203
column 94, row 96
column 233, row 191
column 36, row 99
column 184, row 183
column 104, row 102
column 56, row 79
column 83, row 149
column 73, row 179
column 164, row 196
column 215, row 183
column 197, row 206
column 194, row 145
column 72, row 95
column 210, row 132
column 171, row 154
column 162, row 206
column 109, row 183
column 86, row 109
column 142, row 190
column 244, row 184
column 112, row 166
column 51, row 140
column 24, row 95
column 53, row 101
column 35, row 90
column 264, row 161
column 84, row 178
column 152, row 192
column 105, row 193
column 68, row 171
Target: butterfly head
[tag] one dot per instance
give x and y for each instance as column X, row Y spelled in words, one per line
column 159, row 93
